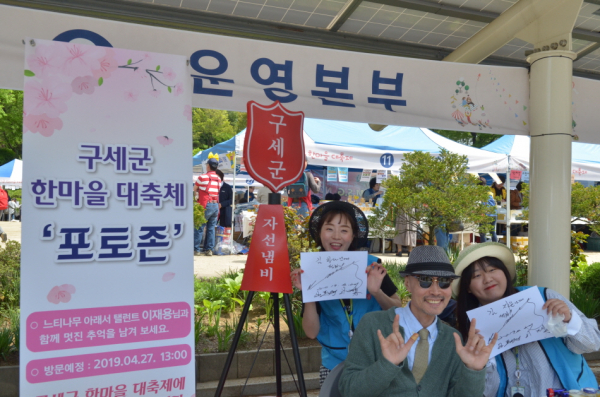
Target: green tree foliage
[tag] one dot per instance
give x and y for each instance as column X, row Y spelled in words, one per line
column 585, row 204
column 437, row 191
column 210, row 126
column 238, row 120
column 11, row 125
column 474, row 139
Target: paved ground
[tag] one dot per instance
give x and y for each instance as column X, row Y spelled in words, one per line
column 205, row 266
column 211, row 266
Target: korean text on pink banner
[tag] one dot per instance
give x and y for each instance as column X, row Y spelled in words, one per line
column 69, row 329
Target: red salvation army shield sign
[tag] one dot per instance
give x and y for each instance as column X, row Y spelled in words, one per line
column 274, row 145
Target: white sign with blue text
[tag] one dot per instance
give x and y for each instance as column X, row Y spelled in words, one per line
column 228, row 72
column 106, row 266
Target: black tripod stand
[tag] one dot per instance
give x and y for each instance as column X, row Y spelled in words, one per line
column 274, row 198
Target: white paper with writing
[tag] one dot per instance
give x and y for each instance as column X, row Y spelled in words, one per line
column 333, row 275
column 518, row 319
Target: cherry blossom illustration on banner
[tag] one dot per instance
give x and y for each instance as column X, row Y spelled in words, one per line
column 61, row 294
column 168, row 276
column 57, row 73
column 164, row 140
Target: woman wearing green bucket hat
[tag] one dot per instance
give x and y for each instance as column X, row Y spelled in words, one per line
column 487, row 273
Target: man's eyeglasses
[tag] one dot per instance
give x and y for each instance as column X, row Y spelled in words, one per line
column 426, row 281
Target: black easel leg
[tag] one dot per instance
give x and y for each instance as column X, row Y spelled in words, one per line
column 275, row 297
column 234, row 342
column 288, row 310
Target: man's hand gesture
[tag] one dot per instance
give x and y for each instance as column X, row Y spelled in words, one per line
column 475, row 354
column 393, row 347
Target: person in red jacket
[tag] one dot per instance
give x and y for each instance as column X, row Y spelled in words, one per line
column 207, row 186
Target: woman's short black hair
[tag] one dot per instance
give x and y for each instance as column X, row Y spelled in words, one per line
column 466, row 300
column 372, row 182
column 330, row 210
column 333, row 214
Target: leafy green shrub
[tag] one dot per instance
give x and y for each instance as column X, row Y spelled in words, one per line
column 589, row 280
column 393, row 269
column 15, row 194
column 199, row 218
column 577, row 255
column 522, row 266
column 232, row 286
column 10, row 275
column 6, row 155
column 6, row 342
column 14, row 319
column 296, row 318
column 298, row 236
column 210, row 289
column 584, row 301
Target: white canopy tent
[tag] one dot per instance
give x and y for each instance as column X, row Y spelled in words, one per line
column 585, row 157
column 356, row 145
column 11, row 174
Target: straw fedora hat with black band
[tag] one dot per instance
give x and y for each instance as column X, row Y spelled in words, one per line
column 478, row 251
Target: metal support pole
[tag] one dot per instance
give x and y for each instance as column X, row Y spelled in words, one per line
column 295, row 350
column 550, row 169
column 234, row 342
column 507, row 187
column 275, row 297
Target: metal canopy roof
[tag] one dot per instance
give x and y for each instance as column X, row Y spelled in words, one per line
column 424, row 29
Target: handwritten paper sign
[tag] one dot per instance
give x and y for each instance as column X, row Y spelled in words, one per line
column 518, row 319
column 333, row 275
column 381, row 175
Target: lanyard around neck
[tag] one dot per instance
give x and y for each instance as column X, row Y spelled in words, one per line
column 517, row 371
column 349, row 312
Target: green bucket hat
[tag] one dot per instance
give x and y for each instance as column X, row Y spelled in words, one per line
column 478, row 251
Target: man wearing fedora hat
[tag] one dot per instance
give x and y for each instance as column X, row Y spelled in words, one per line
column 420, row 355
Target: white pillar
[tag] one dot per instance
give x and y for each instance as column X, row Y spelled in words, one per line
column 550, row 120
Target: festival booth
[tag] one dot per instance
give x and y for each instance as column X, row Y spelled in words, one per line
column 11, row 174
column 585, row 162
column 337, row 152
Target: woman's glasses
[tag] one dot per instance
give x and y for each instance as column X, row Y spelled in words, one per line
column 426, row 281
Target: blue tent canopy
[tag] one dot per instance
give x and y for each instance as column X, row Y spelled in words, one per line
column 11, row 174
column 219, row 148
column 343, row 133
column 585, row 157
column 502, row 145
column 356, row 145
